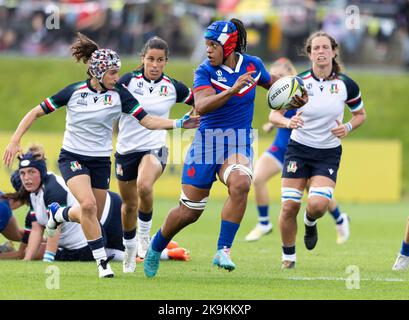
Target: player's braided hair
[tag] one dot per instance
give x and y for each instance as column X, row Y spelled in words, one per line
column 336, row 65
column 242, row 36
column 83, row 47
column 155, row 43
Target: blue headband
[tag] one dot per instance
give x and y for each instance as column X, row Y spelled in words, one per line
column 27, row 161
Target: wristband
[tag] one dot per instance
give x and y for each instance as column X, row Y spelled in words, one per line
column 48, row 256
column 348, row 125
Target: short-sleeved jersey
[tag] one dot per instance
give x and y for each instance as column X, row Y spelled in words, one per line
column 157, row 98
column 238, row 111
column 54, row 189
column 90, row 116
column 325, row 106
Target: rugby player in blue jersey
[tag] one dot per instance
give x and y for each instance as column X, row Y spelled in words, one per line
column 224, row 92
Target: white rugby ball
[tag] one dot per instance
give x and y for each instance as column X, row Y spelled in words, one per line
column 282, row 91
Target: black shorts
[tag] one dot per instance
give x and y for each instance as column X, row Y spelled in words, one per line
column 301, row 161
column 98, row 168
column 126, row 166
column 82, row 254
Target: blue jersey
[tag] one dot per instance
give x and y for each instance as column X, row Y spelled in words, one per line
column 283, row 134
column 238, row 111
column 279, row 147
column 5, row 213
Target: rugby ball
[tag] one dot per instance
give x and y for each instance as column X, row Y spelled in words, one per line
column 282, row 91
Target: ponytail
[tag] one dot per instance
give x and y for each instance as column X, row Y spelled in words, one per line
column 241, row 45
column 82, row 48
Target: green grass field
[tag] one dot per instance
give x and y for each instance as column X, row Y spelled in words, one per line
column 377, row 232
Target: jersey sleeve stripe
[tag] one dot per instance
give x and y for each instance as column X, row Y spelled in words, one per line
column 356, row 107
column 201, row 88
column 50, row 105
column 353, row 100
column 189, row 97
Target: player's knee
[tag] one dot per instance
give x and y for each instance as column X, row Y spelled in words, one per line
column 239, row 185
column 130, row 208
column 289, row 209
column 317, row 206
column 259, row 181
column 88, row 206
column 318, row 200
column 144, row 189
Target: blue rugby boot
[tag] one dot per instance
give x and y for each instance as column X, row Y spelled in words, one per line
column 222, row 259
column 151, row 262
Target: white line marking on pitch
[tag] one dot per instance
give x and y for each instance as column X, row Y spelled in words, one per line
column 344, row 279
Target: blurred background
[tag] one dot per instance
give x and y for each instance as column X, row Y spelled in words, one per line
column 369, row 31
column 374, row 36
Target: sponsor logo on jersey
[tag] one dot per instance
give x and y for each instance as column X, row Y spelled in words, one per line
column 163, row 91
column 74, row 166
column 331, row 171
column 292, row 166
column 84, row 95
column 119, row 170
column 220, row 77
column 107, row 99
column 334, row 88
column 82, row 102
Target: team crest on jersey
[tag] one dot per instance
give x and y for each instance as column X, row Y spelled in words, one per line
column 334, row 88
column 107, row 99
column 163, row 91
column 74, row 166
column 220, row 77
column 119, row 170
column 292, row 166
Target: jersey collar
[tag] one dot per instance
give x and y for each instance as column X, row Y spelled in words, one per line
column 149, row 80
column 331, row 77
column 92, row 89
column 238, row 65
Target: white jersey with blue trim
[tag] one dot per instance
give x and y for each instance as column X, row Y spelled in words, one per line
column 157, row 97
column 90, row 116
column 54, row 189
column 325, row 106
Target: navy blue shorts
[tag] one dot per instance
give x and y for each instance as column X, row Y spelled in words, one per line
column 82, row 254
column 305, row 162
column 5, row 214
column 112, row 226
column 98, row 168
column 126, row 166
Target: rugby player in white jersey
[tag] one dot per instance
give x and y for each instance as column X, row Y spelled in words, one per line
column 92, row 107
column 314, row 150
column 141, row 154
